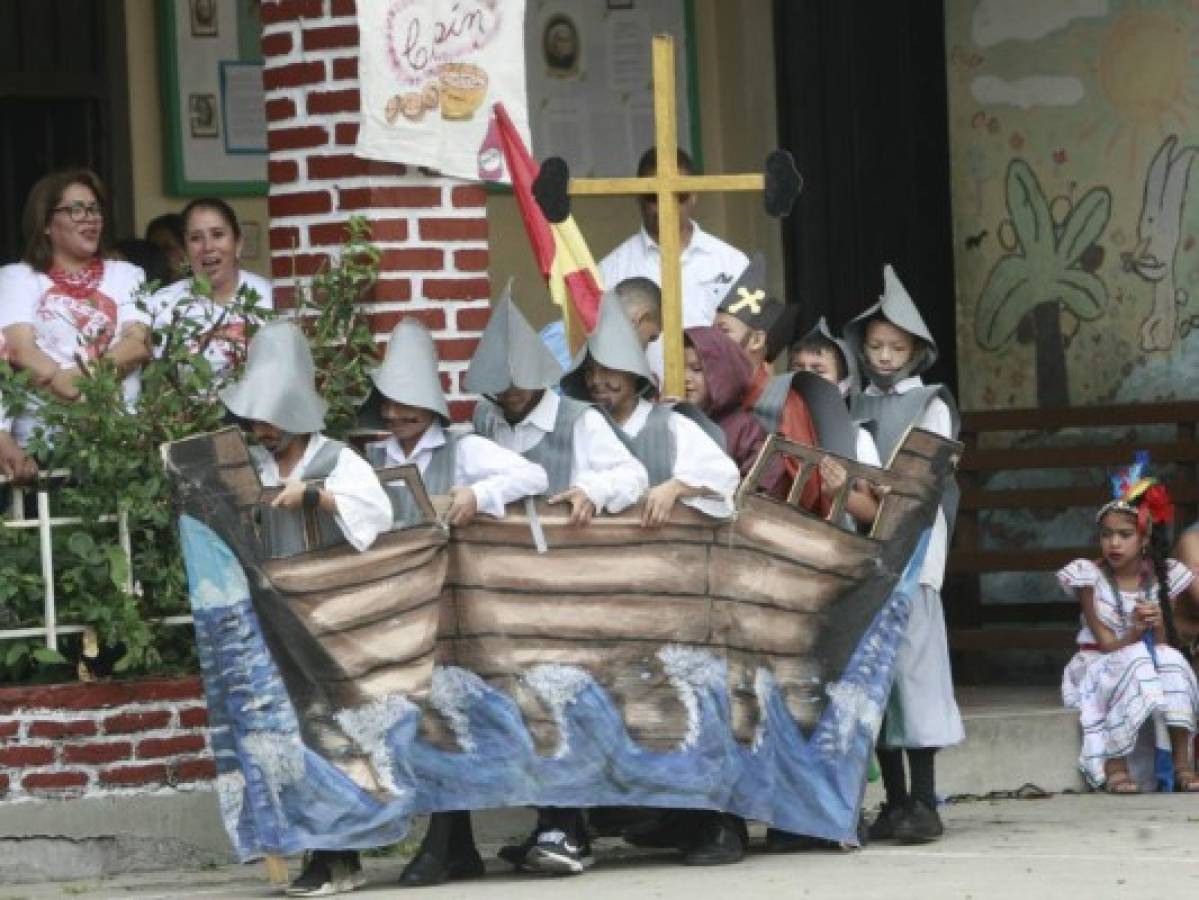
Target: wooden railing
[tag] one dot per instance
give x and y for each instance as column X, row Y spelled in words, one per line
column 1049, row 623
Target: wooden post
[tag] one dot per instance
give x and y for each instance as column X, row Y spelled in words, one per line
column 276, row 869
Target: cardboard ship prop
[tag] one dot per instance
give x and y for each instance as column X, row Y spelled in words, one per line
column 736, row 665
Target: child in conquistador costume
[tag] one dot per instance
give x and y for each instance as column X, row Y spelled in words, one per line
column 895, row 346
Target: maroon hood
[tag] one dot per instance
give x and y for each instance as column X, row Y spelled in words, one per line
column 728, row 374
column 727, row 370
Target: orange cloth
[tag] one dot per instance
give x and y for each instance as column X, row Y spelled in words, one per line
column 795, row 425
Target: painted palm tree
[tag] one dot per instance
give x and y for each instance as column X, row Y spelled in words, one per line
column 1046, row 275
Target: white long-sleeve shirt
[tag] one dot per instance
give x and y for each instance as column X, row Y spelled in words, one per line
column 698, row 462
column 495, row 475
column 363, row 507
column 601, row 465
column 938, row 420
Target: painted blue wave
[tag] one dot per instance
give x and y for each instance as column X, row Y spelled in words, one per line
column 280, row 796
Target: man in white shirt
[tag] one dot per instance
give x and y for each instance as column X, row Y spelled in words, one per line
column 709, row 265
column 478, row 475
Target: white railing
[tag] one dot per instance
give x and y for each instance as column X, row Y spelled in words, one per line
column 45, row 523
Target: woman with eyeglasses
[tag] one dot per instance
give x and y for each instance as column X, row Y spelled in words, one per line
column 233, row 303
column 64, row 304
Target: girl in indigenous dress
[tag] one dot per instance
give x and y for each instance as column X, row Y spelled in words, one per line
column 1119, row 679
column 64, row 303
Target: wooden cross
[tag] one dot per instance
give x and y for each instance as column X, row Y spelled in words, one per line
column 781, row 182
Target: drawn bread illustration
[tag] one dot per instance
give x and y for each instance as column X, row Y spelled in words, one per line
column 463, row 87
column 430, row 95
column 412, row 106
column 391, row 112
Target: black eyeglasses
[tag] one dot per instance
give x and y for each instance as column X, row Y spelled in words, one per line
column 79, row 212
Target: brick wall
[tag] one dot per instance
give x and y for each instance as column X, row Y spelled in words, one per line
column 432, row 230
column 86, row 740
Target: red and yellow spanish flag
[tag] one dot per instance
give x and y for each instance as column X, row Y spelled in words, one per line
column 561, row 253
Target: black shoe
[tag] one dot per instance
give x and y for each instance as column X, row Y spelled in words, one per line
column 672, row 830
column 328, row 872
column 559, row 853
column 720, row 841
column 920, row 824
column 516, row 854
column 779, row 841
column 883, row 828
column 428, row 868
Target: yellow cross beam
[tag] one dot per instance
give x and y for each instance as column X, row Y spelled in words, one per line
column 667, row 184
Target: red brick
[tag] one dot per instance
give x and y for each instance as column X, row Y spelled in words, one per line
column 299, row 138
column 127, row 723
column 284, row 238
column 282, row 171
column 280, row 108
column 305, row 203
column 289, row 265
column 462, row 410
column 391, row 289
column 3, row 784
column 384, row 322
column 293, row 75
column 468, row 195
column 456, row 349
column 472, row 319
column 154, row 748
column 285, row 296
column 453, row 229
column 73, row 728
column 412, row 259
column 101, row 695
column 272, row 11
column 346, row 132
column 194, row 770
column 409, row 196
column 344, row 7
column 46, row 782
column 324, row 102
column 193, row 717
column 332, row 37
column 471, row 260
column 326, row 233
column 341, row 165
column 9, row 729
column 389, row 229
column 277, row 44
column 345, row 67
column 133, row 775
column 18, row 757
column 456, row 288
column 112, row 751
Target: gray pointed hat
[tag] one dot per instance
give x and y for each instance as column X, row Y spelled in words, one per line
column 278, row 385
column 852, row 382
column 408, row 375
column 614, row 345
column 898, row 308
column 510, row 354
column 749, row 300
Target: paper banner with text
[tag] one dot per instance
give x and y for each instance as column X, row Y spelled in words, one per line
column 430, row 71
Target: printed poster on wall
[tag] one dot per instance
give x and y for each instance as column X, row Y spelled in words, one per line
column 430, row 72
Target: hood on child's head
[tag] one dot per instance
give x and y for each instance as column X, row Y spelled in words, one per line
column 728, row 372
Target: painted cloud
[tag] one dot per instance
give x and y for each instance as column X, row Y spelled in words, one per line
column 996, row 21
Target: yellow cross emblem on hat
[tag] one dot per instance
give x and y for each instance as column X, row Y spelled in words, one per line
column 751, row 299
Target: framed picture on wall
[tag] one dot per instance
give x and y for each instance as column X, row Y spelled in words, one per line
column 213, row 116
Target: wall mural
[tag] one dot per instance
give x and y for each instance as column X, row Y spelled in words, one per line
column 1071, row 125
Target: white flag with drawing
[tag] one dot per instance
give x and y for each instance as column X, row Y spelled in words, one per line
column 430, row 71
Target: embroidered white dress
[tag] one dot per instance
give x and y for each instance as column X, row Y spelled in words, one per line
column 1116, row 693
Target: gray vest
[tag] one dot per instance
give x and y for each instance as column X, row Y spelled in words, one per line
column 288, row 532
column 653, row 446
column 768, row 409
column 555, row 451
column 888, row 416
column 438, row 478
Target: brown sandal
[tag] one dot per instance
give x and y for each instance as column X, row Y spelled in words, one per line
column 1121, row 783
column 1186, row 781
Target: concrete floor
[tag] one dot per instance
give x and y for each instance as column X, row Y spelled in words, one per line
column 1091, row 846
